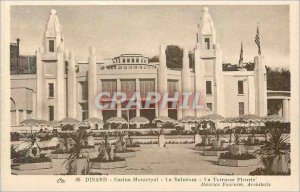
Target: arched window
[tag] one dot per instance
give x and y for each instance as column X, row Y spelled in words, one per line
column 12, row 104
column 13, row 112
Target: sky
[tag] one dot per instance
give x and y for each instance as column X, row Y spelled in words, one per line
column 115, row 30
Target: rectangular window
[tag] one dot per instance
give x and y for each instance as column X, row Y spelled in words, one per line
column 51, row 45
column 146, row 86
column 132, row 60
column 123, row 60
column 51, row 89
column 208, row 88
column 128, row 87
column 84, row 90
column 172, row 87
column 84, row 108
column 137, row 60
column 128, row 60
column 209, row 106
column 240, row 87
column 207, row 43
column 241, row 108
column 109, row 86
column 51, row 113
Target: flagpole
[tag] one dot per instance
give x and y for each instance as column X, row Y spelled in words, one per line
column 257, row 40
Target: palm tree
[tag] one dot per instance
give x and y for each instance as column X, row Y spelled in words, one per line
column 73, row 163
column 277, row 151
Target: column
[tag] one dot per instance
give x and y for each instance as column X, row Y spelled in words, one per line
column 100, row 115
column 92, row 83
column 119, row 107
column 137, row 89
column 33, row 113
column 40, row 71
column 71, row 80
column 179, row 110
column 17, row 117
column 285, row 111
column 162, row 74
column 260, row 86
column 220, row 100
column 185, row 80
column 24, row 114
column 156, row 104
column 60, row 87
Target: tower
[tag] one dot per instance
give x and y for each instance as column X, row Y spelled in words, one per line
column 51, row 85
column 208, row 67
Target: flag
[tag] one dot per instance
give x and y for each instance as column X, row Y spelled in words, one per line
column 241, row 61
column 257, row 41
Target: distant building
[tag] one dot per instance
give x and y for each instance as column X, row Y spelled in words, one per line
column 21, row 64
column 63, row 87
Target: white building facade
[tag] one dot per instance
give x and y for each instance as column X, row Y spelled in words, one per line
column 64, row 87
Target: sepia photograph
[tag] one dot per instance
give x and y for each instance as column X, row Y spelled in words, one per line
column 151, row 90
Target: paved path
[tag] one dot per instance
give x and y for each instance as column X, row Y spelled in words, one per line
column 176, row 160
column 173, row 160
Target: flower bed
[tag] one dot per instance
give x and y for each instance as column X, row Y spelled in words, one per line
column 29, row 163
column 100, row 163
column 238, row 163
column 237, row 160
column 214, row 152
column 263, row 171
column 134, row 147
column 59, row 154
column 28, row 159
column 243, row 156
column 125, row 150
column 201, row 146
column 125, row 153
column 32, row 166
column 253, row 147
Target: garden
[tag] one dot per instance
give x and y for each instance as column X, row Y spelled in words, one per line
column 95, row 147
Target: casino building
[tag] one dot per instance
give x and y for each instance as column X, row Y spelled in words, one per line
column 63, row 87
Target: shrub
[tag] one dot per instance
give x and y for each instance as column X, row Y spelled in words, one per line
column 243, row 156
